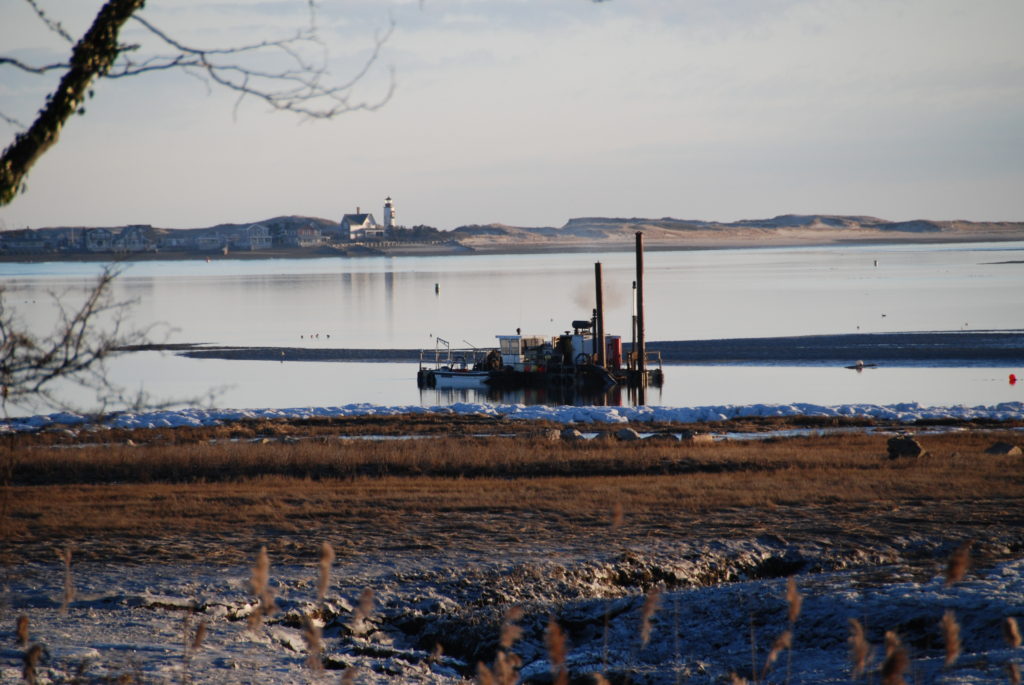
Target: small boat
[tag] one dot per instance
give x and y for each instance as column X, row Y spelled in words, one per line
column 451, row 368
column 448, row 377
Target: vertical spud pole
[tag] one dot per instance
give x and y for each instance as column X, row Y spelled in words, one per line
column 641, row 341
column 602, row 350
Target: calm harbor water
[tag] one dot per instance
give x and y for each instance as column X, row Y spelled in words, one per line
column 406, row 302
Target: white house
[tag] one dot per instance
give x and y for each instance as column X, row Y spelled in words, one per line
column 361, row 226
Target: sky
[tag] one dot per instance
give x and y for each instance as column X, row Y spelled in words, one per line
column 532, row 112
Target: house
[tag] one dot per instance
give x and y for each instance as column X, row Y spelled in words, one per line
column 24, row 241
column 303, row 236
column 99, row 240
column 254, row 237
column 361, row 226
column 175, row 241
column 133, row 239
column 212, row 240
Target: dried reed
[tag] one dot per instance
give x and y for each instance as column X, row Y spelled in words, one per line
column 312, row 634
column 193, row 642
column 554, row 640
column 951, row 636
column 651, row 604
column 69, row 585
column 260, row 583
column 506, row 663
column 1011, row 632
column 860, row 648
column 21, row 631
column 896, row 660
column 618, row 516
column 365, row 606
column 959, row 562
column 794, row 599
column 782, row 642
column 198, row 637
column 892, row 643
column 30, row 662
column 1013, row 672
column 324, row 575
column 510, row 629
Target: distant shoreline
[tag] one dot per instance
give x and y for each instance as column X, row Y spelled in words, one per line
column 808, row 238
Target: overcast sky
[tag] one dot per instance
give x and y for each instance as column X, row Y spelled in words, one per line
column 531, row 112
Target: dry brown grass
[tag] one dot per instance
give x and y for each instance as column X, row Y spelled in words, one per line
column 466, row 489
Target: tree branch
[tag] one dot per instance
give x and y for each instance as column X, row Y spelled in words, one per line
column 297, row 86
column 75, row 350
column 296, row 89
column 92, row 56
column 50, row 23
column 31, row 69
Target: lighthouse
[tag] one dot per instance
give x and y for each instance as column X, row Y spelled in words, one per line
column 389, row 214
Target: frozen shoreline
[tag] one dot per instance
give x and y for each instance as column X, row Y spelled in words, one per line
column 564, row 414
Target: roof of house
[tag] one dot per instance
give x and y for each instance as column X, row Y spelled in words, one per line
column 357, row 218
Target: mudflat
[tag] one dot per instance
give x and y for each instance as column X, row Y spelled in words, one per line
column 926, row 347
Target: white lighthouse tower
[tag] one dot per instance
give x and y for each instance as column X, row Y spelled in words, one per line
column 389, row 214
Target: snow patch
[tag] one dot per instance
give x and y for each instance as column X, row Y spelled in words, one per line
column 903, row 413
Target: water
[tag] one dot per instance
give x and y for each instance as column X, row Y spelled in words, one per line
column 405, row 302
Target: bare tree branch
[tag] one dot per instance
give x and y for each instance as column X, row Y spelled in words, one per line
column 75, row 350
column 295, row 85
column 297, row 88
column 31, row 69
column 92, row 56
column 12, row 121
column 50, row 24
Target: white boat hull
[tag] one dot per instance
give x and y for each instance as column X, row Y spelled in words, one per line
column 444, row 378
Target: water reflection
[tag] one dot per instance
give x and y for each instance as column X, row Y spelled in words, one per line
column 618, row 396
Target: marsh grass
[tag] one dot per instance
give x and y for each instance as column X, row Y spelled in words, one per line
column 411, row 487
column 470, row 457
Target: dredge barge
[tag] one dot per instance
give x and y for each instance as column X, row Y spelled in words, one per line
column 585, row 357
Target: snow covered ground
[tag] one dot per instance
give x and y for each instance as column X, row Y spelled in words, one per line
column 723, row 606
column 906, row 413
